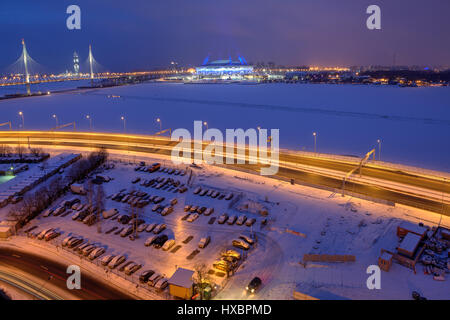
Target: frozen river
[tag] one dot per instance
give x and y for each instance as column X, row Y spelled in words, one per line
column 413, row 123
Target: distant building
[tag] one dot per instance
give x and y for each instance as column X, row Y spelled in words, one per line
column 224, row 69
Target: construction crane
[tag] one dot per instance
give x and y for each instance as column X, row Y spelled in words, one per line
column 6, row 123
column 357, row 168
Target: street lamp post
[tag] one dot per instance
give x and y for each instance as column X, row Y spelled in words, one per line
column 379, row 149
column 56, row 120
column 124, row 123
column 90, row 121
column 206, row 125
column 23, row 120
column 315, row 142
column 160, row 124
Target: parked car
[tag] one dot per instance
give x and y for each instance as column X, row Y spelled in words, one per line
column 145, row 275
column 174, row 201
column 192, row 217
column 231, row 220
column 107, row 259
column 96, row 253
column 158, row 229
column 222, row 265
column 167, row 210
column 249, row 240
column 161, row 284
column 222, row 219
column 132, row 268
column 75, row 242
column 42, row 234
column 241, row 220
column 201, row 210
column 187, row 208
column 153, row 279
column 203, row 243
column 159, row 242
column 150, row 240
column 229, row 196
column 254, row 285
column 109, row 213
column 168, row 244
column 193, row 209
column 197, row 190
column 51, row 235
column 232, row 253
column 116, row 261
column 250, row 222
column 47, row 213
column 208, row 211
column 240, row 244
column 59, row 210
column 126, row 232
column 150, row 227
column 142, row 227
column 86, row 251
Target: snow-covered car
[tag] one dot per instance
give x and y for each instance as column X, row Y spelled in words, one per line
column 107, row 259
column 197, row 190
column 150, row 240
column 109, row 213
column 142, row 227
column 240, row 244
column 167, row 210
column 116, row 261
column 250, row 222
column 187, row 208
column 150, row 227
column 66, row 240
column 96, row 253
column 153, row 279
column 126, row 232
column 203, row 243
column 47, row 213
column 42, row 234
column 59, row 210
column 241, row 220
column 231, row 220
column 193, row 209
column 173, row 202
column 208, row 211
column 229, row 196
column 247, row 239
column 192, row 217
column 222, row 219
column 161, row 284
column 168, row 244
column 160, row 228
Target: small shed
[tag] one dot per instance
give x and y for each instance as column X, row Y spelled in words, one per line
column 409, row 245
column 407, row 227
column 181, row 283
column 5, row 232
column 385, row 261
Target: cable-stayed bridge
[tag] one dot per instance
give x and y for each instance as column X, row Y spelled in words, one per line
column 26, row 71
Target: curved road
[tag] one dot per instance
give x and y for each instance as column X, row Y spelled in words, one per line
column 162, row 146
column 54, row 272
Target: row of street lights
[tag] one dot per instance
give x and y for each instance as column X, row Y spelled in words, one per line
column 88, row 117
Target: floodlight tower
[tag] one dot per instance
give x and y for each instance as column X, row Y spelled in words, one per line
column 91, row 60
column 25, row 62
column 76, row 63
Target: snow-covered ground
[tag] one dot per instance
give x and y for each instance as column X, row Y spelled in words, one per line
column 413, row 123
column 331, row 224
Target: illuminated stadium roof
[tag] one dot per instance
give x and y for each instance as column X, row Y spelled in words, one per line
column 224, row 67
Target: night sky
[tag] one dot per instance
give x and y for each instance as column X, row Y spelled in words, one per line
column 144, row 34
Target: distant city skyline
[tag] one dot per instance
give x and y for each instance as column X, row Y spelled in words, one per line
column 142, row 35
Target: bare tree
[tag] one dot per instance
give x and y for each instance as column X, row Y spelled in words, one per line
column 202, row 277
column 100, row 203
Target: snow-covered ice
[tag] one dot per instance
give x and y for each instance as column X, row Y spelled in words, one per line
column 413, row 123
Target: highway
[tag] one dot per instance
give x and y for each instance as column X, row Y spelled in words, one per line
column 409, row 188
column 49, row 271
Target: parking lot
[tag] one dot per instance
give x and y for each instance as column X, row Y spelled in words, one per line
column 155, row 220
